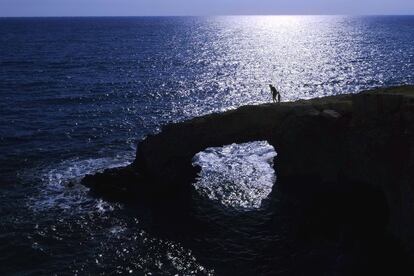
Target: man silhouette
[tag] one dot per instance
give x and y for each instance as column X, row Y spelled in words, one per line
column 275, row 94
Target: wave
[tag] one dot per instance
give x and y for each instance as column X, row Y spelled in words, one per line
column 60, row 187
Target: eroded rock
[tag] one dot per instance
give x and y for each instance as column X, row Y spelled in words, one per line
column 363, row 138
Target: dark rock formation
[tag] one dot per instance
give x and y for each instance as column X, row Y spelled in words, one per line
column 366, row 138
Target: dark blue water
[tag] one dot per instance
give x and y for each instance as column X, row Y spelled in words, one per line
column 76, row 94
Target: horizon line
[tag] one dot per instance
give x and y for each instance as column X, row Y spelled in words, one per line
column 211, row 15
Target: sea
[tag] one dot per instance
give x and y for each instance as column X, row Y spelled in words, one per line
column 78, row 94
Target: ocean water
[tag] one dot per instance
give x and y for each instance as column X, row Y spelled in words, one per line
column 239, row 176
column 76, row 94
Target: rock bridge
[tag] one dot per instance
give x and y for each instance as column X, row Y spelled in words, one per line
column 364, row 138
column 304, row 135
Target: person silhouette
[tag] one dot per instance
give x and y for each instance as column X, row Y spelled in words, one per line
column 275, row 94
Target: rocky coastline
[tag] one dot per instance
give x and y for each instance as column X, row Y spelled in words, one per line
column 345, row 165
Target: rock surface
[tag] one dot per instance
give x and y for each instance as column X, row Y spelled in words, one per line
column 323, row 146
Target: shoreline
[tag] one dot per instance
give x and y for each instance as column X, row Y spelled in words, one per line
column 349, row 158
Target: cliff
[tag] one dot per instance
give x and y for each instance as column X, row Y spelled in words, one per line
column 346, row 145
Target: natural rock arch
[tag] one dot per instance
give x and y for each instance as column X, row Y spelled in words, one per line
column 367, row 138
column 303, row 135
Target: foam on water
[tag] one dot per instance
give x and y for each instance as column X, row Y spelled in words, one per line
column 128, row 249
column 61, row 188
column 236, row 175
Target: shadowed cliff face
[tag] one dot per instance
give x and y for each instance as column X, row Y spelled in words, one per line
column 304, row 134
column 333, row 153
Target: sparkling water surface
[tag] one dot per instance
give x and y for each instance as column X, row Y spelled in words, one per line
column 76, row 94
column 238, row 175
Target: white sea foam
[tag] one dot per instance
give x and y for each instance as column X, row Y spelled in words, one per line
column 74, row 213
column 60, row 187
column 236, row 175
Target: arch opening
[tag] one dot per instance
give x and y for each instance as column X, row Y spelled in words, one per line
column 238, row 176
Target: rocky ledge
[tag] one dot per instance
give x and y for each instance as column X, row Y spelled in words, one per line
column 356, row 150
